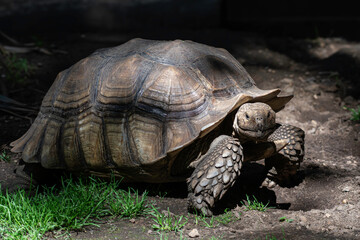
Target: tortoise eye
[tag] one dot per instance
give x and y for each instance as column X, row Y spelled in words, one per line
column 268, row 115
column 247, row 116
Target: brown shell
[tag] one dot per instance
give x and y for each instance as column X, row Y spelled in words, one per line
column 133, row 105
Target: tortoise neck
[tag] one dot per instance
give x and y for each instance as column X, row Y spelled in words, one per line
column 242, row 138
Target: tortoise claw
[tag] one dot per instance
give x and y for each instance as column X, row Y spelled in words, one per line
column 268, row 183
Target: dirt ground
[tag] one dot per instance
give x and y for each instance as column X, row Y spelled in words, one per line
column 325, row 205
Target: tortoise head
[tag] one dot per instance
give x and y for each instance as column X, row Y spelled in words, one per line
column 254, row 120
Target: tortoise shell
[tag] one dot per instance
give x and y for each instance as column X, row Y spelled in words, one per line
column 137, row 105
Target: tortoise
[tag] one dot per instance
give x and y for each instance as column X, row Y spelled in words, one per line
column 160, row 111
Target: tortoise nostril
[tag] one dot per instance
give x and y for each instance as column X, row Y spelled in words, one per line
column 259, row 122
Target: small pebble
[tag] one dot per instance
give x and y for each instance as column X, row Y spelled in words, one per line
column 194, row 233
column 346, row 189
column 345, row 201
column 314, row 123
column 312, row 130
column 272, row 184
column 132, row 220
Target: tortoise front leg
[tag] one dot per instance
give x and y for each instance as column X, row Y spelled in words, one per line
column 215, row 173
column 283, row 165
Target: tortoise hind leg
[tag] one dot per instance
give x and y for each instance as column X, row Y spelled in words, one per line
column 30, row 175
column 282, row 166
column 215, row 173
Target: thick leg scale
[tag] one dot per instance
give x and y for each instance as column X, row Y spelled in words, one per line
column 283, row 166
column 219, row 168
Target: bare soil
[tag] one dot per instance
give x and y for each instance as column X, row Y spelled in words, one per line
column 325, row 205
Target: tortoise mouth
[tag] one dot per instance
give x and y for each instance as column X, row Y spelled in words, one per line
column 256, row 133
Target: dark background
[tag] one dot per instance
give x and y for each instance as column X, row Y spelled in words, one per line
column 304, row 18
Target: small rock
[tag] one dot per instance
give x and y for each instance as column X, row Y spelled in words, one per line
column 149, row 231
column 346, row 189
column 314, row 123
column 345, row 201
column 194, row 233
column 312, row 131
column 327, row 215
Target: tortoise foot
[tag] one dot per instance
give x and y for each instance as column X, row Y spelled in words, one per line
column 283, row 166
column 268, row 183
column 215, row 174
column 294, row 138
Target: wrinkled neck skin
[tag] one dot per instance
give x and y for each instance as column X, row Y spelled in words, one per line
column 246, row 139
column 255, row 149
column 254, row 122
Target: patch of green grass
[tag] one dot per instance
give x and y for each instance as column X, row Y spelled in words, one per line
column 272, row 237
column 128, row 203
column 18, row 69
column 4, row 157
column 285, row 219
column 167, row 221
column 255, row 204
column 211, row 222
column 165, row 236
column 355, row 113
column 227, row 217
column 76, row 205
column 38, row 41
column 215, row 238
